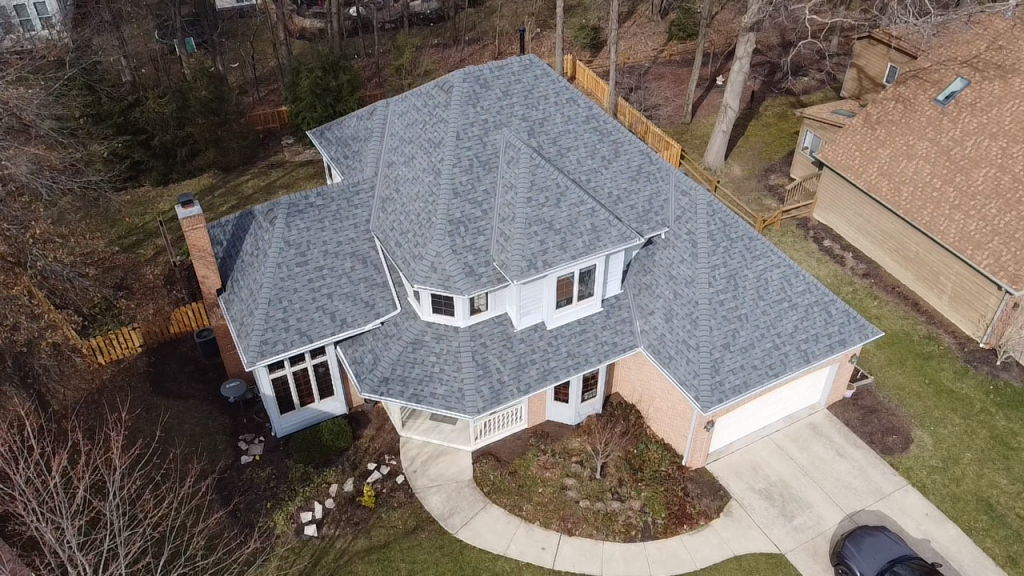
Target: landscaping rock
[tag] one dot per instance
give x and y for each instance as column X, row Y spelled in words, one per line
column 384, row 470
column 246, row 458
column 248, row 437
column 400, row 479
column 585, row 504
column 309, row 530
column 329, row 504
column 572, row 495
column 569, row 482
column 255, row 450
column 390, row 460
column 242, row 445
column 635, row 505
column 600, row 506
column 333, row 490
column 371, row 466
column 260, row 440
column 349, row 485
column 374, row 477
column 305, row 517
column 614, row 505
column 576, row 469
column 318, row 510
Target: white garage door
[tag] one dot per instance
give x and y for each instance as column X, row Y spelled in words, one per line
column 771, row 407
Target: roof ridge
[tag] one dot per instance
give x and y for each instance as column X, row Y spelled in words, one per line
column 704, row 309
column 380, row 161
column 497, row 196
column 269, row 273
column 520, row 189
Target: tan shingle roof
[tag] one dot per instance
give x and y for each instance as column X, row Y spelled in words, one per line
column 956, row 172
column 827, row 112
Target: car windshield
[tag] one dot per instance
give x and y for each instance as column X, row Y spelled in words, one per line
column 910, row 567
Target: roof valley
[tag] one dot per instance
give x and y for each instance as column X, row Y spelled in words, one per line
column 704, row 309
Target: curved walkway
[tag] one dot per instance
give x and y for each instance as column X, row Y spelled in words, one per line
column 794, row 492
column 442, row 479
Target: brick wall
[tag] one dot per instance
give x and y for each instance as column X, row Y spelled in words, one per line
column 193, row 226
column 352, row 397
column 536, row 408
column 666, row 410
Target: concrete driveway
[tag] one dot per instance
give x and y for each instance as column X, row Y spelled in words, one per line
column 810, row 482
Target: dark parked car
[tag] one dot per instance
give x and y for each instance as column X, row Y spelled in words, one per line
column 878, row 551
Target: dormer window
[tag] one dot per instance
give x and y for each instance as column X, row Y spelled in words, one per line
column 575, row 287
column 952, row 91
column 442, row 305
column 890, row 74
column 478, row 304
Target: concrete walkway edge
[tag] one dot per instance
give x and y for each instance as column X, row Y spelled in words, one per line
column 442, row 479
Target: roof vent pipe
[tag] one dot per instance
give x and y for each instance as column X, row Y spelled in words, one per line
column 522, row 40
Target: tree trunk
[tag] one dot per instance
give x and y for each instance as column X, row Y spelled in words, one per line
column 128, row 75
column 613, row 56
column 405, row 16
column 280, row 16
column 376, row 45
column 211, row 25
column 714, row 155
column 359, row 29
column 559, row 34
column 698, row 58
column 657, row 7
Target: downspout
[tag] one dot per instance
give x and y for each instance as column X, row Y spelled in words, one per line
column 689, row 439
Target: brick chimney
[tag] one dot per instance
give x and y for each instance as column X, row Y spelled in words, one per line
column 193, row 225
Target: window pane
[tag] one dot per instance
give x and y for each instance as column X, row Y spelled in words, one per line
column 297, row 360
column 318, row 353
column 586, row 289
column 276, row 366
column 283, row 394
column 951, row 91
column 303, row 387
column 442, row 305
column 6, row 22
column 890, row 74
column 478, row 304
column 589, row 390
column 324, row 385
column 562, row 393
column 27, row 25
column 563, row 291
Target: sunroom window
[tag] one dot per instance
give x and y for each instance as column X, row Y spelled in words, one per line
column 575, row 287
column 301, row 380
column 478, row 304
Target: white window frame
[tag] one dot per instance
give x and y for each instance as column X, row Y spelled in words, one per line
column 953, row 90
column 805, row 149
column 891, row 66
column 578, row 309
column 487, row 304
column 29, row 10
column 289, row 371
column 39, row 17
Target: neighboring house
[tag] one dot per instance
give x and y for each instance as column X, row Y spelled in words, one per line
column 928, row 178
column 232, row 4
column 492, row 251
column 26, row 23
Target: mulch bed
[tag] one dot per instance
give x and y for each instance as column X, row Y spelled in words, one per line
column 878, row 422
column 859, row 266
column 547, row 476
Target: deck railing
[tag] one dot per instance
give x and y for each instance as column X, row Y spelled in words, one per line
column 497, row 425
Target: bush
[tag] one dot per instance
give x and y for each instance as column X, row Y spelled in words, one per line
column 318, row 445
column 685, row 26
column 586, row 35
column 323, row 87
column 407, row 70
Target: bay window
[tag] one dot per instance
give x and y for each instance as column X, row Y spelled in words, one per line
column 301, row 380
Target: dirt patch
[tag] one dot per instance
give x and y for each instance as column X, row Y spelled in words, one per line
column 508, row 450
column 643, row 494
column 878, row 422
column 859, row 266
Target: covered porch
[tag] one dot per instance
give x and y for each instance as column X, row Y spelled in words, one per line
column 455, row 432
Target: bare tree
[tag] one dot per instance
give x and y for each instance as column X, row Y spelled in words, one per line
column 603, row 440
column 613, row 56
column 714, row 155
column 90, row 500
column 698, row 58
column 560, row 37
column 1011, row 344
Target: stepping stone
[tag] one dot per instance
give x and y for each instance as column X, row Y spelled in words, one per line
column 306, row 517
column 333, row 490
column 384, row 470
column 318, row 510
column 309, row 530
column 329, row 504
column 374, row 477
column 400, row 479
column 246, row 459
column 255, row 449
column 242, row 445
column 247, row 437
column 371, row 466
column 350, row 485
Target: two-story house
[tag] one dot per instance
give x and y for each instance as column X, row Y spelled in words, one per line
column 492, row 250
column 25, row 23
column 921, row 168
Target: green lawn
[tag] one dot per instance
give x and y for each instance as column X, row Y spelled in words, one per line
column 409, row 541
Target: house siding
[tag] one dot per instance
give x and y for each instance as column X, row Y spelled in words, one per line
column 954, row 288
column 531, row 303
column 871, row 58
column 666, row 410
column 802, row 164
column 613, row 274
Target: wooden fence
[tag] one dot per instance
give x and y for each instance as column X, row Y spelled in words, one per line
column 268, row 119
column 594, row 87
column 130, row 340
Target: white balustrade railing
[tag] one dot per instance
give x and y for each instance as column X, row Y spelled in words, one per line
column 497, row 425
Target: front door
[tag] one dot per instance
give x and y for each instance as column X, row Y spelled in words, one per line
column 573, row 400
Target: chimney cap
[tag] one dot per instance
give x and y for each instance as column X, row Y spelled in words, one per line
column 187, row 206
column 186, row 200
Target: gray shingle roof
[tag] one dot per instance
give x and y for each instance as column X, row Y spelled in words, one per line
column 471, row 371
column 300, row 270
column 725, row 312
column 436, row 151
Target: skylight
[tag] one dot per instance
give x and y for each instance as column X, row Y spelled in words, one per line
column 844, row 113
column 952, row 91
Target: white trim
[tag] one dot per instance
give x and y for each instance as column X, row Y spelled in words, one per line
column 555, row 317
column 577, row 263
column 324, row 156
column 689, row 439
column 886, row 74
